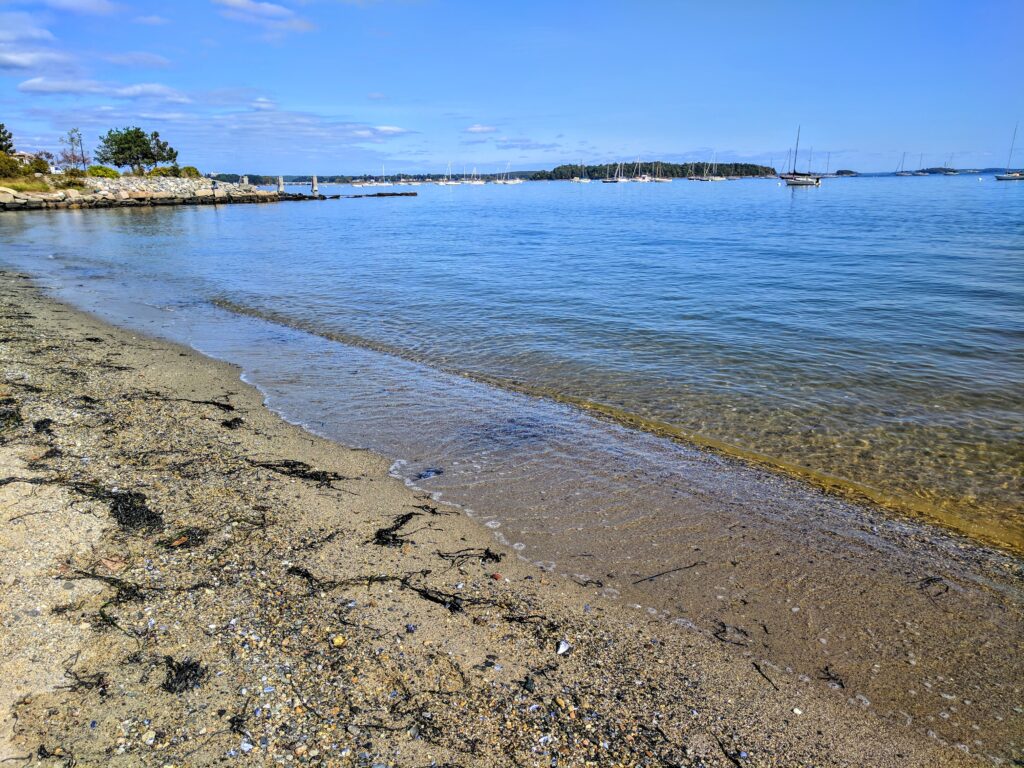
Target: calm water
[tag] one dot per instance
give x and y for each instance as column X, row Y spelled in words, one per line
column 871, row 330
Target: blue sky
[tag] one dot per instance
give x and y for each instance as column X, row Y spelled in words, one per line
column 342, row 86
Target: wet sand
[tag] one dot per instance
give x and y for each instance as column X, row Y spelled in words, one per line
column 189, row 579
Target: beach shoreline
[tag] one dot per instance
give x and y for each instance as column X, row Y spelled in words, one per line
column 230, row 585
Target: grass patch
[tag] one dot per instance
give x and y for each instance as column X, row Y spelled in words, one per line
column 26, row 185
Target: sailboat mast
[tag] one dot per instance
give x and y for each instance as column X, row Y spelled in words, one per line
column 797, row 150
column 1009, row 158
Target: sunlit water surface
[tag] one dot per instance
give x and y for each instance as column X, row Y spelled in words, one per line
column 870, row 331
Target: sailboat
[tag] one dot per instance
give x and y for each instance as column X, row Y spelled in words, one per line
column 448, row 181
column 949, row 170
column 795, row 178
column 583, row 178
column 900, row 171
column 920, row 166
column 1011, row 175
column 657, row 177
column 618, row 178
column 637, row 176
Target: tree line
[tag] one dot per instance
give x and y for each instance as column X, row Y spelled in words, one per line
column 655, row 168
column 128, row 148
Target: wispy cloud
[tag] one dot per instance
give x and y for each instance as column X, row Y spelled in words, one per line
column 19, row 27
column 83, row 87
column 375, row 96
column 262, row 104
column 523, row 144
column 151, row 21
column 14, row 58
column 82, row 6
column 478, row 128
column 137, row 59
column 272, row 17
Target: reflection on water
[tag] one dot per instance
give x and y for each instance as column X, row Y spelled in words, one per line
column 870, row 330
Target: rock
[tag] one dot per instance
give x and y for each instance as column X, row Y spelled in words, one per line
column 6, row 197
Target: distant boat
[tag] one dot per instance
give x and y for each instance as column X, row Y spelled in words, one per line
column 618, row 178
column 474, row 179
column 795, row 178
column 637, row 176
column 900, row 171
column 949, row 170
column 920, row 167
column 657, row 177
column 1011, row 175
column 448, row 181
column 583, row 178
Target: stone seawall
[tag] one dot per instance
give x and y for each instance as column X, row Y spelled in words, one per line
column 133, row 191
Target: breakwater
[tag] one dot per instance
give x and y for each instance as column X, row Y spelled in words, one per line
column 131, row 191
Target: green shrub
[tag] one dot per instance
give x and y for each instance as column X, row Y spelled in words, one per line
column 102, row 171
column 68, row 182
column 38, row 165
column 73, row 173
column 9, row 167
column 165, row 170
column 190, row 172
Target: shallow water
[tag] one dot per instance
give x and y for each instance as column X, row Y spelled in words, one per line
column 870, row 331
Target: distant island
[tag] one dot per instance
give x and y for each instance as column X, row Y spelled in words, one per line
column 559, row 173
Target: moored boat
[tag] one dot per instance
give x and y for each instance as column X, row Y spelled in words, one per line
column 1011, row 175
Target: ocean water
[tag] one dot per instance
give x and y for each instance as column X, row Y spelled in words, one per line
column 867, row 335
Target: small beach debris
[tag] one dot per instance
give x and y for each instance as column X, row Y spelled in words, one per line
column 10, row 415
column 389, row 536
column 186, row 538
column 301, row 470
column 463, row 556
column 233, row 423
column 43, row 426
column 428, row 473
column 797, row 711
column 339, row 641
column 128, row 508
column 563, row 647
column 182, row 675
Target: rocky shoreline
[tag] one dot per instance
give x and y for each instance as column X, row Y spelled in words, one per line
column 189, row 581
column 132, row 191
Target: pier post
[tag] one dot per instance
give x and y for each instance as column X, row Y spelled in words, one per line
column 280, row 184
column 314, row 188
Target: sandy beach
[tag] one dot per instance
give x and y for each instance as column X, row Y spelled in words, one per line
column 189, row 580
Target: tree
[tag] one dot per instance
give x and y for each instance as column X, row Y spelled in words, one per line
column 134, row 148
column 6, row 140
column 73, row 155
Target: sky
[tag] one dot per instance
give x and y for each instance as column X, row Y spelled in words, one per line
column 351, row 86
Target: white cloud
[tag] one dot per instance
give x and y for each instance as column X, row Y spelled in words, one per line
column 478, row 128
column 151, row 21
column 80, row 87
column 82, row 6
column 137, row 59
column 16, row 27
column 389, row 130
column 11, row 58
column 270, row 16
column 262, row 104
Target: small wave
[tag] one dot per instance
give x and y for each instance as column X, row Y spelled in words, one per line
column 989, row 532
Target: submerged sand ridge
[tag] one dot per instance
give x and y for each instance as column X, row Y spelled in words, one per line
column 245, row 592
